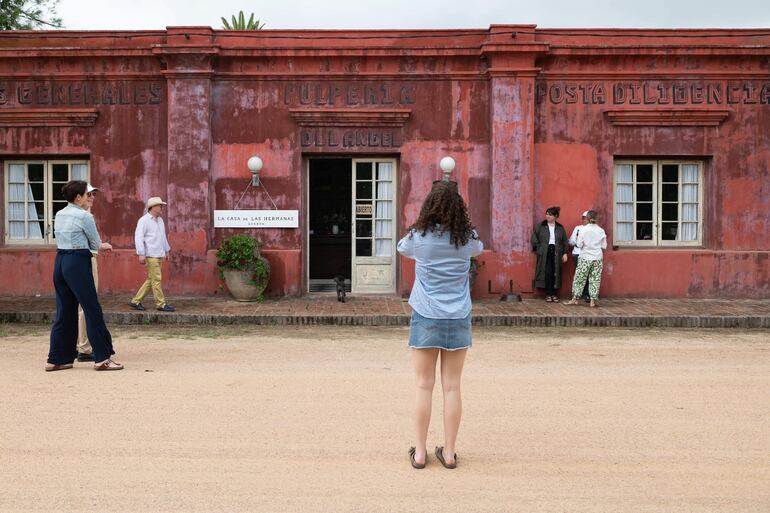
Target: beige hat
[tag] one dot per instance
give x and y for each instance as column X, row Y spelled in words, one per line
column 91, row 188
column 155, row 200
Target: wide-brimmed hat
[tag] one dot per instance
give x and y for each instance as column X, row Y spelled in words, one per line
column 91, row 188
column 155, row 200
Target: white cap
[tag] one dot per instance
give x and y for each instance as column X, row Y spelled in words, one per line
column 91, row 188
column 155, row 200
column 585, row 214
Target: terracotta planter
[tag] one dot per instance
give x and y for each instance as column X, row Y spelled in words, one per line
column 242, row 288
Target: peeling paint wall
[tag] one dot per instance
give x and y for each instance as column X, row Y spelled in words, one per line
column 577, row 146
column 530, row 118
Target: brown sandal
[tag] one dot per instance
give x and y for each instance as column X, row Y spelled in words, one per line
column 572, row 301
column 440, row 457
column 108, row 365
column 412, row 451
column 51, row 367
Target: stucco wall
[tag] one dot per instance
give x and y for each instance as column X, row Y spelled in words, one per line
column 533, row 119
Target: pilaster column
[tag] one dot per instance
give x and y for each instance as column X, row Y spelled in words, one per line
column 188, row 74
column 512, row 71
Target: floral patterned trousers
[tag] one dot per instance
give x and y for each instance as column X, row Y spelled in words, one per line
column 590, row 270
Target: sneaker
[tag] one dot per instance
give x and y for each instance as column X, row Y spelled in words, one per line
column 166, row 308
column 108, row 365
column 85, row 357
column 137, row 306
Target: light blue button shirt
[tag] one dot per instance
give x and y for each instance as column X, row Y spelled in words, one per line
column 440, row 289
column 74, row 228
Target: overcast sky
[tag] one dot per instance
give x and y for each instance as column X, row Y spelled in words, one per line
column 350, row 14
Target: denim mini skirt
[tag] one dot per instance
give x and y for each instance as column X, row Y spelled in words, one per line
column 447, row 334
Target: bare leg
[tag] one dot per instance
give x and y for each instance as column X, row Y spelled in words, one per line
column 424, row 361
column 451, row 373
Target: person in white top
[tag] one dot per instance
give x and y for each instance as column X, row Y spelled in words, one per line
column 576, row 250
column 591, row 241
column 441, row 242
column 151, row 246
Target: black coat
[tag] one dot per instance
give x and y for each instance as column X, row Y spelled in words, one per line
column 539, row 240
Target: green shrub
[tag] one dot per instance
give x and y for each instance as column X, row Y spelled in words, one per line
column 241, row 253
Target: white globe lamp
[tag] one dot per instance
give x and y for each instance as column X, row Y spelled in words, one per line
column 447, row 165
column 255, row 166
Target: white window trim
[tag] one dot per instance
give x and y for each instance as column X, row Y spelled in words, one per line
column 374, row 260
column 656, row 241
column 48, row 239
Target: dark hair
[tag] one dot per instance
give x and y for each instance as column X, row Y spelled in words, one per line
column 553, row 211
column 445, row 207
column 73, row 188
column 591, row 216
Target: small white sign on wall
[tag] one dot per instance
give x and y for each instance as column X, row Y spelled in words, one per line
column 256, row 218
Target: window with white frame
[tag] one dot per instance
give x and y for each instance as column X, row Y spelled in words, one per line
column 33, row 196
column 658, row 203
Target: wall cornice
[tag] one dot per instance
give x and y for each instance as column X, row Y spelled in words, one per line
column 667, row 117
column 48, row 117
column 351, row 117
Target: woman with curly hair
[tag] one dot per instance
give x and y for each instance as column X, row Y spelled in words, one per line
column 441, row 242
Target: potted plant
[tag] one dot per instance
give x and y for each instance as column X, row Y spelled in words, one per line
column 243, row 269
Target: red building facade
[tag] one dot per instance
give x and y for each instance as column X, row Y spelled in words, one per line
column 665, row 133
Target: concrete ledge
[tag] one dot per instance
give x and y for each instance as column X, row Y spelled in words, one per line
column 309, row 312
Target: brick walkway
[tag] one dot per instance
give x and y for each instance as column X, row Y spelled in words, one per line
column 393, row 311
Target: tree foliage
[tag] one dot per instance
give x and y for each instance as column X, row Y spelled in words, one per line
column 29, row 14
column 240, row 23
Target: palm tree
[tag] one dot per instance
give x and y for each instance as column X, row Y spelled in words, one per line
column 240, row 23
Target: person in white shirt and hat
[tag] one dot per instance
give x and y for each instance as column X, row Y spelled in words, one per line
column 591, row 241
column 151, row 246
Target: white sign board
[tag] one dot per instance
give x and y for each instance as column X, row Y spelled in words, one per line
column 256, row 218
column 364, row 210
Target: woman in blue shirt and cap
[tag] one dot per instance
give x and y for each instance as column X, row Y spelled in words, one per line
column 441, row 242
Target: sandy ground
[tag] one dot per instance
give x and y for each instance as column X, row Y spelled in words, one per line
column 318, row 420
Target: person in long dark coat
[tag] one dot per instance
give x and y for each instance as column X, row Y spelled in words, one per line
column 549, row 240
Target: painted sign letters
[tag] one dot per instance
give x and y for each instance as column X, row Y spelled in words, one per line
column 350, row 94
column 654, row 92
column 350, row 138
column 80, row 93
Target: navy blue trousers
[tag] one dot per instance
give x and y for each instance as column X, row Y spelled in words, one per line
column 74, row 285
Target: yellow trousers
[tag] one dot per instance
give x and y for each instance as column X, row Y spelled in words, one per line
column 153, row 282
column 84, row 346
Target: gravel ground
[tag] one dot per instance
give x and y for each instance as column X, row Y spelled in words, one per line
column 238, row 419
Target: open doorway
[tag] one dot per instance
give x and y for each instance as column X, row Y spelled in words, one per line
column 351, row 224
column 330, row 200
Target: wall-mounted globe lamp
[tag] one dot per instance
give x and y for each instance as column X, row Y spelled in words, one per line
column 255, row 166
column 447, row 165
